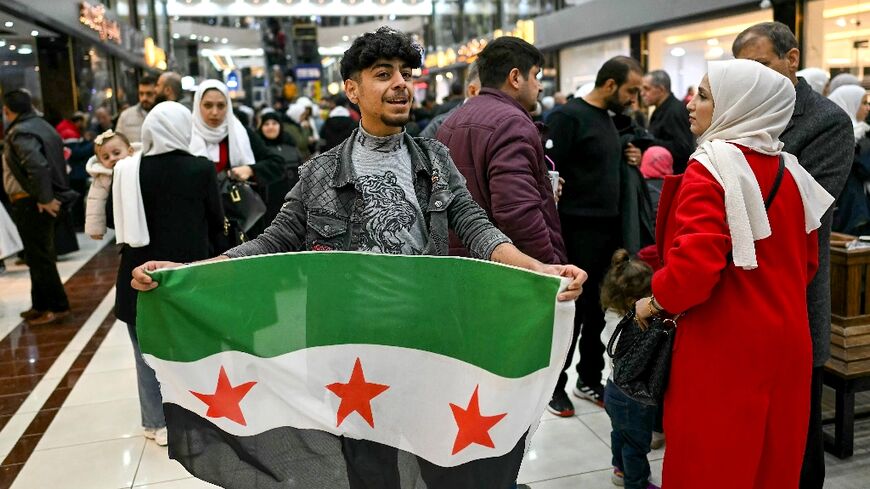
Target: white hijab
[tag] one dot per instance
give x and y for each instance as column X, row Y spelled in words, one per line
column 849, row 98
column 206, row 140
column 752, row 107
column 817, row 78
column 167, row 127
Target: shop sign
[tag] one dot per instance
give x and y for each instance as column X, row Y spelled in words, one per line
column 307, row 72
column 94, row 17
column 467, row 53
column 155, row 57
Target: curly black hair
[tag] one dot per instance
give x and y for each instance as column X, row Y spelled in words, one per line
column 385, row 43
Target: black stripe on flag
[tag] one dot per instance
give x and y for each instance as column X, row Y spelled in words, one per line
column 290, row 458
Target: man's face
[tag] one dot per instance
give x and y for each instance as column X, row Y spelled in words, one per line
column 161, row 91
column 147, row 96
column 104, row 119
column 652, row 94
column 530, row 88
column 624, row 95
column 760, row 49
column 383, row 93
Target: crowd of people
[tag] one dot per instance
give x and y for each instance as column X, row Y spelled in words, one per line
column 717, row 213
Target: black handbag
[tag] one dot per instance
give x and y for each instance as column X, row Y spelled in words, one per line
column 242, row 206
column 642, row 358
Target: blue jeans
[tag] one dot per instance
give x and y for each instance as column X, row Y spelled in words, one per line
column 150, row 400
column 632, row 424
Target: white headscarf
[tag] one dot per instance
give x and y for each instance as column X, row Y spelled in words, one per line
column 816, row 77
column 842, row 80
column 167, row 127
column 206, row 140
column 849, row 98
column 752, row 107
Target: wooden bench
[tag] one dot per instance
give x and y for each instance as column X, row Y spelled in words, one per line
column 848, row 370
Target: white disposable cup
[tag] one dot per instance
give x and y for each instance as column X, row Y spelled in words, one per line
column 554, row 181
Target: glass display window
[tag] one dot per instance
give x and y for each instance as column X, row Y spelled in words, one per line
column 837, row 36
column 683, row 51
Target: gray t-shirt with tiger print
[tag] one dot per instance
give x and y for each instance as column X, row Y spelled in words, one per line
column 383, row 173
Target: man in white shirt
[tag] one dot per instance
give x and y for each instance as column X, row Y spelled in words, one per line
column 130, row 121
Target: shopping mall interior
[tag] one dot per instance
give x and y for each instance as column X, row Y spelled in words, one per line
column 69, row 409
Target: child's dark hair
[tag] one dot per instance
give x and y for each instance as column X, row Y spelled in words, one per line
column 385, row 43
column 625, row 283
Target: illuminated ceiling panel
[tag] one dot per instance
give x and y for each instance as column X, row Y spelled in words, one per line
column 297, row 8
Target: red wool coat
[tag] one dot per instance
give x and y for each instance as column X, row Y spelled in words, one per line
column 737, row 405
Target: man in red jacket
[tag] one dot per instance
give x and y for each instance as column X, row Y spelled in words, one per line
column 498, row 149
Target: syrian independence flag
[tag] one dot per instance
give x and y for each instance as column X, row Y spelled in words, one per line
column 349, row 370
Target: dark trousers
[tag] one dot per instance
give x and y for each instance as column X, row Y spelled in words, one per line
column 590, row 242
column 813, row 469
column 632, row 424
column 37, row 234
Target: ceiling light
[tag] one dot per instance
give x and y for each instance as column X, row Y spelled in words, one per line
column 678, row 52
column 34, row 33
column 9, row 23
column 841, row 22
column 345, row 38
column 224, row 41
column 715, row 52
column 176, row 36
column 193, row 37
column 12, row 47
column 25, row 50
column 2, row 43
column 206, row 39
column 712, row 42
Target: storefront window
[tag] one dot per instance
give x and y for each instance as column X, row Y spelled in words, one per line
column 93, row 77
column 683, row 51
column 126, row 85
column 121, row 8
column 145, row 15
column 578, row 65
column 837, row 36
column 19, row 67
column 515, row 10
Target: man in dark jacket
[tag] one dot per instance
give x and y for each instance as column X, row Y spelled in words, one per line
column 820, row 135
column 670, row 121
column 498, row 149
column 34, row 177
column 338, row 125
column 589, row 154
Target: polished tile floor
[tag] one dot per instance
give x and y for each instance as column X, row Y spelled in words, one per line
column 70, row 416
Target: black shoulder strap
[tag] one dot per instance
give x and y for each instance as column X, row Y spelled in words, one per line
column 776, row 183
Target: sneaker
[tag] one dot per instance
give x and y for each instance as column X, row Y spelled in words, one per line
column 560, row 405
column 591, row 394
column 617, row 477
column 658, row 440
column 159, row 435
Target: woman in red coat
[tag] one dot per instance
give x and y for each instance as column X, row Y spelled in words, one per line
column 736, row 408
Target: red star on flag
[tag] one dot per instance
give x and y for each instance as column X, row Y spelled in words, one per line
column 356, row 395
column 473, row 426
column 224, row 403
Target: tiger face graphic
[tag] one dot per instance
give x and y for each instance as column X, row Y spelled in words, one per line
column 387, row 214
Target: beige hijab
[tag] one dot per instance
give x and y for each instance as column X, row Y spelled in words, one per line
column 752, row 107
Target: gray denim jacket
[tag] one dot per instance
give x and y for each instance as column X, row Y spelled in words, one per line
column 323, row 212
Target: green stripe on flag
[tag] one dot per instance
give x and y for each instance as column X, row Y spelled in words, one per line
column 270, row 305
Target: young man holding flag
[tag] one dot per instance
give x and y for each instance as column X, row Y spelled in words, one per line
column 384, row 192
